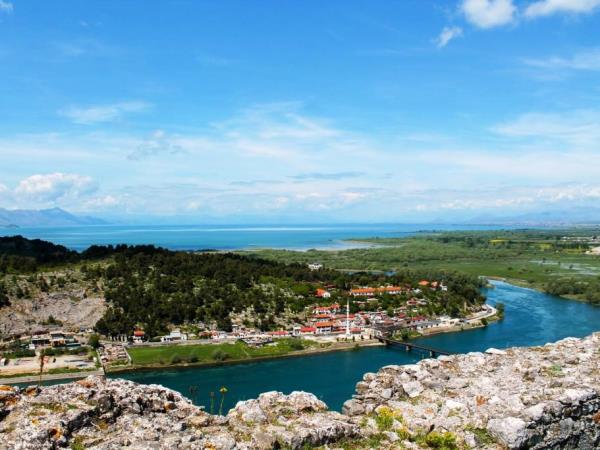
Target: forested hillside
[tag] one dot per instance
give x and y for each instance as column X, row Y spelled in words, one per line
column 156, row 288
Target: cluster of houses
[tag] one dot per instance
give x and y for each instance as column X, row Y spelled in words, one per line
column 336, row 320
column 54, row 339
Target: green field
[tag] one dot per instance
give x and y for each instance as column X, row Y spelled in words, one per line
column 212, row 353
column 539, row 259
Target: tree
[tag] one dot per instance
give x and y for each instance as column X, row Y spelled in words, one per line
column 4, row 301
column 94, row 341
column 500, row 309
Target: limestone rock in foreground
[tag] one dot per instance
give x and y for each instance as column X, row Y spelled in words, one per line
column 538, row 397
column 97, row 413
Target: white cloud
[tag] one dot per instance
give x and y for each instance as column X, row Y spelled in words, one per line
column 585, row 60
column 54, row 186
column 447, row 34
column 103, row 202
column 102, row 113
column 576, row 128
column 6, row 7
column 548, row 7
column 157, row 144
column 489, row 13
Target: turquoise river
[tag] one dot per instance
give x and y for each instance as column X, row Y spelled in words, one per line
column 532, row 318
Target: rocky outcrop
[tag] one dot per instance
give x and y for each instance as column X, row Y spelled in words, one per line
column 541, row 398
column 97, row 413
column 76, row 307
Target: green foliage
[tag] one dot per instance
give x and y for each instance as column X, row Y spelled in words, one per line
column 219, row 355
column 65, row 351
column 94, row 341
column 4, row 301
column 437, row 440
column 482, row 436
column 535, row 258
column 575, row 287
column 77, row 444
column 385, row 418
column 156, row 287
column 296, row 344
column 52, row 321
column 209, row 353
column 21, row 255
column 500, row 308
column 19, row 353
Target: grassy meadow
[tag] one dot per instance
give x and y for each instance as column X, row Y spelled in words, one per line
column 211, row 353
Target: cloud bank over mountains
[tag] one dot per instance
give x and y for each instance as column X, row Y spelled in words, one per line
column 538, row 161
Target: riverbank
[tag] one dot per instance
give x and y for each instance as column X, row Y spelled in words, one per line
column 471, row 324
column 334, row 347
column 50, row 377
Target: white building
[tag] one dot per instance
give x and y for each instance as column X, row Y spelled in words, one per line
column 174, row 336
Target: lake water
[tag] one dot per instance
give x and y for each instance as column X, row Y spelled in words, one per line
column 227, row 237
column 532, row 318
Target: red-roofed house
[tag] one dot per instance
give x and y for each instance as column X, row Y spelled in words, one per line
column 320, row 318
column 331, row 309
column 308, row 330
column 138, row 335
column 324, row 327
column 322, row 293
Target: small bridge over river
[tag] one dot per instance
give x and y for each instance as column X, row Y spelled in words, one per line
column 410, row 346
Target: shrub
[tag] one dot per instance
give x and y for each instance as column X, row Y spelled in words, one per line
column 219, row 355
column 442, row 441
column 385, row 418
column 296, row 344
column 94, row 341
column 175, row 359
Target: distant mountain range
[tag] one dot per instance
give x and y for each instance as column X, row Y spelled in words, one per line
column 54, row 217
column 577, row 215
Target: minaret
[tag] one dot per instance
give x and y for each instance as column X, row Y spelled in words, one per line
column 348, row 318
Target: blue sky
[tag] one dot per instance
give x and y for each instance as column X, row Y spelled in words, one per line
column 287, row 111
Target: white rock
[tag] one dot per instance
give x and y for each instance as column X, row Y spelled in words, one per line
column 495, row 351
column 412, row 388
column 512, row 431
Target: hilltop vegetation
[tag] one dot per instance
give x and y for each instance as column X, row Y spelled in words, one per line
column 160, row 288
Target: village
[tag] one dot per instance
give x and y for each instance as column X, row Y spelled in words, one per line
column 355, row 316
